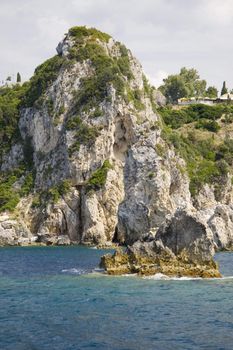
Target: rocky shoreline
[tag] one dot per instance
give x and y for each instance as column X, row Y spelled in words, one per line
column 121, row 263
column 182, row 247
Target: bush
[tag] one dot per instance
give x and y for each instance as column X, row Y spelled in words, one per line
column 64, row 187
column 27, row 185
column 177, row 118
column 135, row 96
column 9, row 197
column 98, row 178
column 124, row 66
column 108, row 71
column 85, row 135
column 10, row 99
column 44, row 76
column 73, row 123
column 210, row 125
column 200, row 156
column 82, row 32
column 225, row 151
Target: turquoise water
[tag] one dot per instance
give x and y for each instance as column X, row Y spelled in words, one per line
column 49, row 301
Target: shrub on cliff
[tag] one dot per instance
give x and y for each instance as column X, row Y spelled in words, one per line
column 98, row 178
column 10, row 99
column 44, row 75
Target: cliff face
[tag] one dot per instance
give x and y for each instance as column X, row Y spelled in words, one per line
column 99, row 167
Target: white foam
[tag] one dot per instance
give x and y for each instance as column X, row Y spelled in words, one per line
column 161, row 276
column 74, row 271
column 98, row 269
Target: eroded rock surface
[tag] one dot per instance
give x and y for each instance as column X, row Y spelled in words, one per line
column 183, row 246
column 97, row 165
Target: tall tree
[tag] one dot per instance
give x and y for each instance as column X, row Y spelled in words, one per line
column 224, row 89
column 18, row 79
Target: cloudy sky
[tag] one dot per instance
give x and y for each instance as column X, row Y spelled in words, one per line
column 163, row 34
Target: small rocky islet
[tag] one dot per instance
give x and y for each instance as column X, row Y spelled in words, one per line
column 87, row 158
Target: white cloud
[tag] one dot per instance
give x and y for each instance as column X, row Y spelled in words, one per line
column 157, row 79
column 49, row 29
column 219, row 12
column 164, row 34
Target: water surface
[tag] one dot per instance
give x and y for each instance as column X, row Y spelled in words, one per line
column 49, row 299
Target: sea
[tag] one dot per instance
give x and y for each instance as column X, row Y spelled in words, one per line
column 56, row 298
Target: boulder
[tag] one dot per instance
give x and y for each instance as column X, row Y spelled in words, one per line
column 183, row 246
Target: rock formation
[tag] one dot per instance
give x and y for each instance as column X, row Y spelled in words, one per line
column 92, row 164
column 183, row 246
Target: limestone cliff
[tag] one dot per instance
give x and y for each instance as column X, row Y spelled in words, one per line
column 95, row 167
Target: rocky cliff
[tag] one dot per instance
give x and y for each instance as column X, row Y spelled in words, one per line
column 91, row 161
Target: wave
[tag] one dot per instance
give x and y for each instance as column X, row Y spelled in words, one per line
column 74, row 271
column 160, row 276
column 98, row 269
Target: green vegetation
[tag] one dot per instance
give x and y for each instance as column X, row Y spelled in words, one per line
column 95, row 89
column 113, row 71
column 52, row 195
column 186, row 84
column 210, row 125
column 84, row 135
column 27, row 185
column 96, row 113
column 212, row 92
column 135, row 96
column 50, row 106
column 73, row 123
column 64, row 187
column 55, row 192
column 9, row 197
column 98, row 178
column 205, row 161
column 10, row 99
column 175, row 118
column 44, row 76
column 208, row 157
column 82, row 32
column 18, row 79
column 160, row 150
column 224, row 89
column 10, row 194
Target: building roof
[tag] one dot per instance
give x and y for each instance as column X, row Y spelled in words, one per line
column 226, row 96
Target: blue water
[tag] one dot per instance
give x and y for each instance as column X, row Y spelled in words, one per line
column 49, row 301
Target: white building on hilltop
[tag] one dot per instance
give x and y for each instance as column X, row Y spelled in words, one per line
column 185, row 101
column 226, row 97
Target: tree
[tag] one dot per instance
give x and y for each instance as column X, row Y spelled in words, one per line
column 185, row 84
column 211, row 92
column 224, row 89
column 18, row 78
column 174, row 88
column 199, row 88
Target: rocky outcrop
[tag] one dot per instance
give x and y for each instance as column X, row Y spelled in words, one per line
column 14, row 232
column 183, row 246
column 73, row 141
column 92, row 148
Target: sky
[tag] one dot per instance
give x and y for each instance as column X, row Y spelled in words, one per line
column 164, row 35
